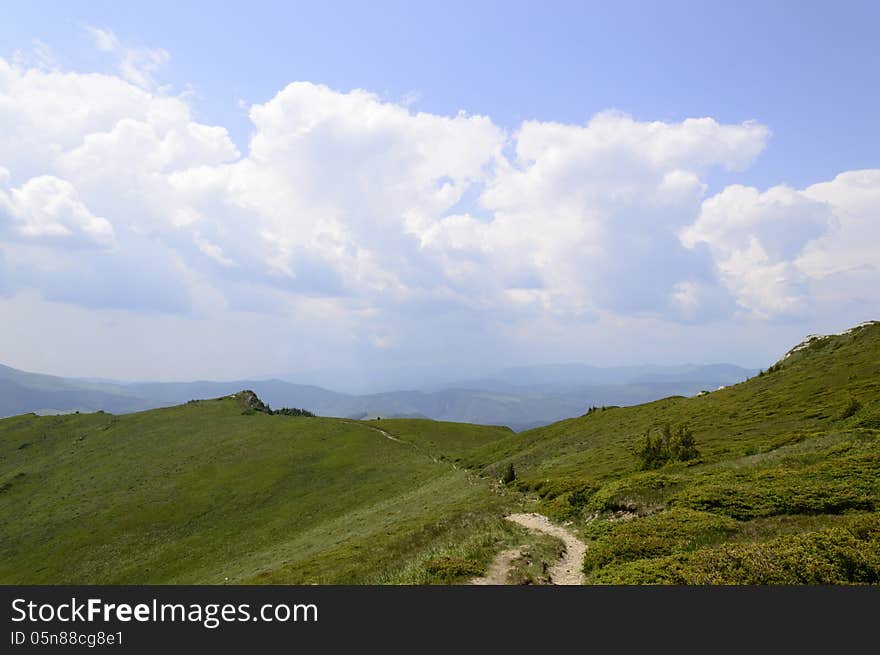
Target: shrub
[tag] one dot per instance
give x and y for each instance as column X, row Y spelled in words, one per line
column 851, row 408
column 593, row 409
column 841, row 555
column 640, row 492
column 291, row 411
column 660, row 534
column 564, row 497
column 667, row 445
column 838, row 481
column 834, row 556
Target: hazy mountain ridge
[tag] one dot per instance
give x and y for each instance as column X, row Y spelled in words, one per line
column 533, row 396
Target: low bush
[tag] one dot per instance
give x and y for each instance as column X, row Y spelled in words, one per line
column 638, row 492
column 843, row 555
column 291, row 411
column 565, row 497
column 665, row 444
column 845, row 477
column 664, row 533
column 850, row 409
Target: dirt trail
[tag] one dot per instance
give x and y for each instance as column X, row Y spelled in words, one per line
column 498, row 570
column 390, row 436
column 567, row 571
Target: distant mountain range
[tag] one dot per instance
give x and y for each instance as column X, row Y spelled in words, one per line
column 520, row 398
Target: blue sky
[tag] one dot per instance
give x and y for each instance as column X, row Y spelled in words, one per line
column 751, row 240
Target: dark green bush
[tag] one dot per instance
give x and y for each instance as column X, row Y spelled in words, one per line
column 291, row 411
column 843, row 477
column 638, row 492
column 666, row 444
column 843, row 555
column 851, row 408
column 664, row 533
column 593, row 409
column 549, row 489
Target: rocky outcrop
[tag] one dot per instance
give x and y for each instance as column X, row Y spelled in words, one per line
column 250, row 400
column 813, row 338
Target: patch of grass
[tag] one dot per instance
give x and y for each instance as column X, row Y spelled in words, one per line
column 664, row 533
column 537, row 556
column 394, row 549
column 869, row 416
column 447, row 568
column 564, row 498
column 850, row 408
column 840, row 555
column 642, row 492
column 830, row 481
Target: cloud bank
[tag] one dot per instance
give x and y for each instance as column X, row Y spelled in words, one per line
column 406, row 232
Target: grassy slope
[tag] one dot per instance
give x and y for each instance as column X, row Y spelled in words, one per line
column 780, row 470
column 201, row 493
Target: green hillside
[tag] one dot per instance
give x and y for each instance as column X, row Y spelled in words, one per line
column 784, row 487
column 211, row 492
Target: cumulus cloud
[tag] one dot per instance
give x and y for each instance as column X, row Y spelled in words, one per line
column 584, row 216
column 346, row 182
column 48, row 208
column 783, row 250
column 412, row 226
column 850, row 244
column 87, row 162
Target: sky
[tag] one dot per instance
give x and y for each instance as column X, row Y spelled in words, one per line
column 371, row 195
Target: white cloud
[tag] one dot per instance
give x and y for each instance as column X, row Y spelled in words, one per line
column 344, row 195
column 40, row 56
column 408, row 229
column 48, row 208
column 851, row 243
column 137, row 65
column 88, row 162
column 785, row 251
column 104, row 40
column 212, row 250
column 337, row 187
column 587, row 214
